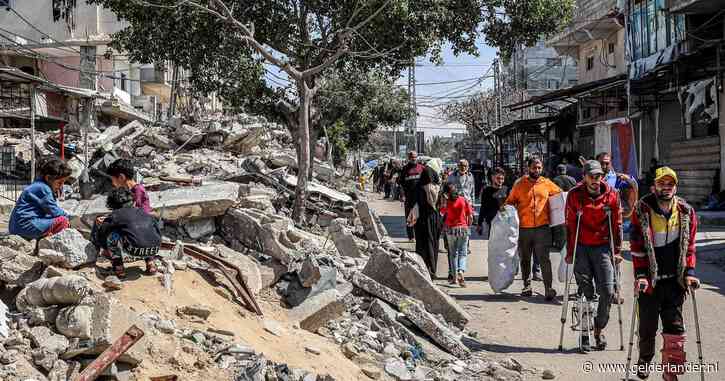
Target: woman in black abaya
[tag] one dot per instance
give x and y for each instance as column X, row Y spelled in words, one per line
column 427, row 225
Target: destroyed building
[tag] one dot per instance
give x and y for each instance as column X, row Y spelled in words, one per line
column 243, row 292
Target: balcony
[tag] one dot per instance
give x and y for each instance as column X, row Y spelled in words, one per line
column 592, row 20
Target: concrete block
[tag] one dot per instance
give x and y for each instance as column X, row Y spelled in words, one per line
column 64, row 290
column 17, row 268
column 434, row 299
column 200, row 228
column 111, row 320
column 343, row 239
column 75, row 248
column 316, row 311
column 43, row 337
column 383, row 268
column 367, row 217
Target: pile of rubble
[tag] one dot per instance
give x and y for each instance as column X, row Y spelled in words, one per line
column 223, row 190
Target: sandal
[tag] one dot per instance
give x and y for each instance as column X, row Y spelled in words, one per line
column 119, row 271
column 151, row 266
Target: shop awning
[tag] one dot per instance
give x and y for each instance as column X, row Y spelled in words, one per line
column 526, row 125
column 571, row 92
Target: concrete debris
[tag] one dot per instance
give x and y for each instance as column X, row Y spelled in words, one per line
column 197, row 310
column 435, row 300
column 296, row 293
column 197, row 229
column 43, row 337
column 368, row 218
column 65, row 290
column 317, row 310
column 17, row 268
column 343, row 238
column 75, row 321
column 76, row 250
column 16, row 243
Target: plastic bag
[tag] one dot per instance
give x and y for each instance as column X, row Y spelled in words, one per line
column 562, row 271
column 503, row 257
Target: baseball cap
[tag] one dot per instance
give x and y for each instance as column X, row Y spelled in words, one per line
column 592, row 167
column 664, row 172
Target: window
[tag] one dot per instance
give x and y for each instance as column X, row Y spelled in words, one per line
column 590, row 63
column 123, row 81
column 611, row 48
column 653, row 29
column 553, row 61
column 5, row 3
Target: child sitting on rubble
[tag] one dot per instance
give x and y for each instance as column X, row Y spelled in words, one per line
column 36, row 213
column 127, row 231
column 123, row 175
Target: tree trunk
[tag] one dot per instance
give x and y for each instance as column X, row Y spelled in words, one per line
column 303, row 152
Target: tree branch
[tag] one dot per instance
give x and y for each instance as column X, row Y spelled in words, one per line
column 372, row 16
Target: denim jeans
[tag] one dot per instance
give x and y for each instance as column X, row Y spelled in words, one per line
column 457, row 252
column 593, row 267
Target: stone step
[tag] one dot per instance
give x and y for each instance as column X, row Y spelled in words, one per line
column 714, row 140
column 695, row 159
column 676, row 152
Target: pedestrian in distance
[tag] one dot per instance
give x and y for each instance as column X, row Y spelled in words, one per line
column 530, row 196
column 408, row 183
column 663, row 255
column 463, row 180
column 623, row 183
column 590, row 207
column 458, row 213
column 36, row 213
column 493, row 198
column 562, row 180
column 424, row 218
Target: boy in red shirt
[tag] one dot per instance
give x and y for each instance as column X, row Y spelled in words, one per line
column 458, row 214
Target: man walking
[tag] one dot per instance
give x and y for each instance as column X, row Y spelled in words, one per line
column 492, row 198
column 597, row 202
column 530, row 196
column 562, row 180
column 463, row 180
column 621, row 182
column 408, row 182
column 663, row 255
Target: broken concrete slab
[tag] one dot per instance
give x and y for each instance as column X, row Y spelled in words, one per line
column 343, row 239
column 296, row 293
column 42, row 315
column 262, row 202
column 316, row 311
column 43, row 337
column 199, row 228
column 319, row 190
column 16, row 242
column 282, row 159
column 249, row 266
column 110, row 320
column 18, row 268
column 309, row 273
column 414, row 310
column 384, row 312
column 208, row 200
column 186, row 134
column 435, row 300
column 64, row 290
column 367, row 217
column 77, row 251
column 114, row 135
column 75, row 321
column 383, row 268
column 266, row 233
column 157, row 139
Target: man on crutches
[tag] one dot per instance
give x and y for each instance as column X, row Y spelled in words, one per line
column 663, row 255
column 597, row 203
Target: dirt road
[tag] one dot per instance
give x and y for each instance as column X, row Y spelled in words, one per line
column 528, row 329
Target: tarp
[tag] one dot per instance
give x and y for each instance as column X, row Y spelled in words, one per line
column 624, row 152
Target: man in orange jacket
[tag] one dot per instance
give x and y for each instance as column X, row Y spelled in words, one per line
column 530, row 196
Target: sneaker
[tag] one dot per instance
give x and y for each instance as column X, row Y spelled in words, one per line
column 151, row 266
column 451, row 279
column 550, row 294
column 601, row 342
column 585, row 346
column 461, row 280
column 527, row 291
column 537, row 276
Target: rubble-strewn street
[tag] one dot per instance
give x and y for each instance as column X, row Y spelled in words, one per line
column 243, row 292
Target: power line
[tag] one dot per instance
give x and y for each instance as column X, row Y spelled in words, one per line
column 37, row 29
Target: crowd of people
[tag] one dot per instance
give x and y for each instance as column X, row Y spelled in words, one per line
column 601, row 204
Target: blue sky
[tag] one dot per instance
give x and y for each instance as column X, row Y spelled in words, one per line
column 463, row 71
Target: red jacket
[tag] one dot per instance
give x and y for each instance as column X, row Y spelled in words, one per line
column 594, row 225
column 457, row 212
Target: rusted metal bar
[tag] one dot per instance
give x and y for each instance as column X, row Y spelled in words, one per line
column 119, row 347
column 230, row 271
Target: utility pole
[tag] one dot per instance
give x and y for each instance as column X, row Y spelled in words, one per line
column 413, row 126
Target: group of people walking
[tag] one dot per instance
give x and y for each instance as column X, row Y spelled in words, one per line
column 662, row 228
